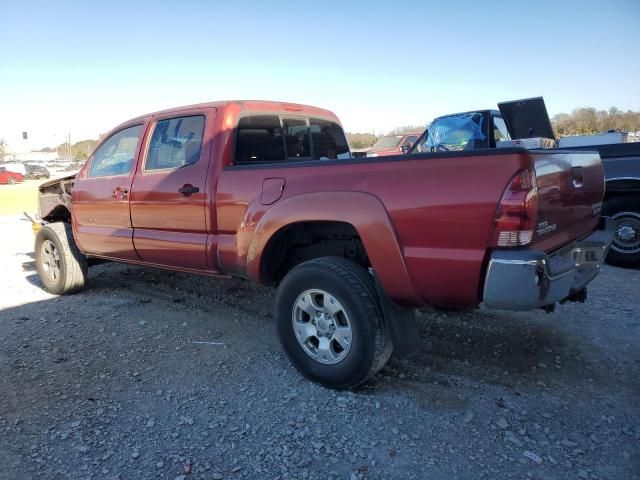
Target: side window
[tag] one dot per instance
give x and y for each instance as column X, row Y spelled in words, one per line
column 329, row 141
column 500, row 131
column 296, row 136
column 259, row 139
column 175, row 143
column 116, row 154
column 410, row 140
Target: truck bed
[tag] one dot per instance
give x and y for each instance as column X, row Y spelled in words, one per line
column 441, row 205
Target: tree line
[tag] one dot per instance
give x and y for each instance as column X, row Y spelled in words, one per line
column 78, row 151
column 582, row 121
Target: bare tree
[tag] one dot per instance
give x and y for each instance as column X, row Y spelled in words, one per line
column 361, row 140
column 3, row 149
column 589, row 120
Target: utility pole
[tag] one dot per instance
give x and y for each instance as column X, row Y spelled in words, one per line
column 69, row 147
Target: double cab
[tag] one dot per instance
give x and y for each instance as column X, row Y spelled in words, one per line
column 269, row 191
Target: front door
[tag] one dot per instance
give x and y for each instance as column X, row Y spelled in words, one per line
column 101, row 196
column 169, row 192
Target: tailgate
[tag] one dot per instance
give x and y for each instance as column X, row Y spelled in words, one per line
column 570, row 192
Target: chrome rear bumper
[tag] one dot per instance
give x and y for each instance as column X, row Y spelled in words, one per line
column 524, row 280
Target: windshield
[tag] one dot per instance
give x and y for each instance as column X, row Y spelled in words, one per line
column 388, row 142
column 452, row 133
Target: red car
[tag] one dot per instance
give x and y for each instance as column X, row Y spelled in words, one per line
column 269, row 192
column 389, row 145
column 8, row 177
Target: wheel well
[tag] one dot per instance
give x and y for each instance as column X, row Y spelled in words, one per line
column 59, row 214
column 299, row 242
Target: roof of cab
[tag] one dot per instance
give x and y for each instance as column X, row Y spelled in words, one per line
column 246, row 105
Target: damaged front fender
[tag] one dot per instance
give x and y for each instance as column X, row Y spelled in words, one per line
column 54, row 198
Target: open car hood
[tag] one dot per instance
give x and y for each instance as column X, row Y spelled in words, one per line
column 56, row 180
column 527, row 118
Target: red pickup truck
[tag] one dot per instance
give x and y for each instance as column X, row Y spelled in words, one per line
column 268, row 191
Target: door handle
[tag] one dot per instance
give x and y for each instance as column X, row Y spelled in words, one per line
column 187, row 190
column 120, row 192
column 577, row 174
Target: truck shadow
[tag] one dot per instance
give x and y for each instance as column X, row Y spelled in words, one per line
column 520, row 351
column 29, row 266
column 523, row 352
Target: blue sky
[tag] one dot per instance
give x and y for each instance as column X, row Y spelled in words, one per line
column 83, row 67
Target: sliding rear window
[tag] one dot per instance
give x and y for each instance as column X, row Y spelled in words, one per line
column 274, row 138
column 329, row 142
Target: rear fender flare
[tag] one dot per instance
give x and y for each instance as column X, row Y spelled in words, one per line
column 365, row 212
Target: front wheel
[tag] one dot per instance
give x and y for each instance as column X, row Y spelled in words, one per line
column 625, row 249
column 330, row 322
column 12, row 181
column 61, row 266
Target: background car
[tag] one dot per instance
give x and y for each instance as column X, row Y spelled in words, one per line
column 9, row 177
column 389, row 145
column 35, row 171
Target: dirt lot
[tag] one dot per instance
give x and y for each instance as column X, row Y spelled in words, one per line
column 113, row 382
column 15, row 199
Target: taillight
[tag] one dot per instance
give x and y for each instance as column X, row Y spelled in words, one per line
column 517, row 213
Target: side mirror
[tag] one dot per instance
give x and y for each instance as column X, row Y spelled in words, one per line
column 406, row 147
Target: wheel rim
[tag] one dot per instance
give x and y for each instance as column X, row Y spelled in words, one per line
column 50, row 260
column 627, row 238
column 321, row 326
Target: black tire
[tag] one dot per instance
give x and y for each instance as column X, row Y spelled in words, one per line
column 71, row 264
column 625, row 210
column 353, row 287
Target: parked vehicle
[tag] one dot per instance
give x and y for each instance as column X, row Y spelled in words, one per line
column 15, row 167
column 621, row 164
column 389, row 145
column 482, row 129
column 268, row 191
column 9, row 177
column 35, row 171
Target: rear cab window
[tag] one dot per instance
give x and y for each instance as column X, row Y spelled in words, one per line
column 282, row 138
column 329, row 141
column 259, row 139
column 296, row 136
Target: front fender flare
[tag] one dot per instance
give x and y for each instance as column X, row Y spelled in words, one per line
column 365, row 212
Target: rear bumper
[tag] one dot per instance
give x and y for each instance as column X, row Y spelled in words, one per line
column 524, row 280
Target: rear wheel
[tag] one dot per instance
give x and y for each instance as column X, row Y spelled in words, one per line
column 12, row 181
column 625, row 249
column 330, row 322
column 61, row 266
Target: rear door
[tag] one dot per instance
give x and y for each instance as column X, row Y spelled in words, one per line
column 102, row 225
column 168, row 196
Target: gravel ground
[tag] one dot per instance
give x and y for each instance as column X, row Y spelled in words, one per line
column 151, row 374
